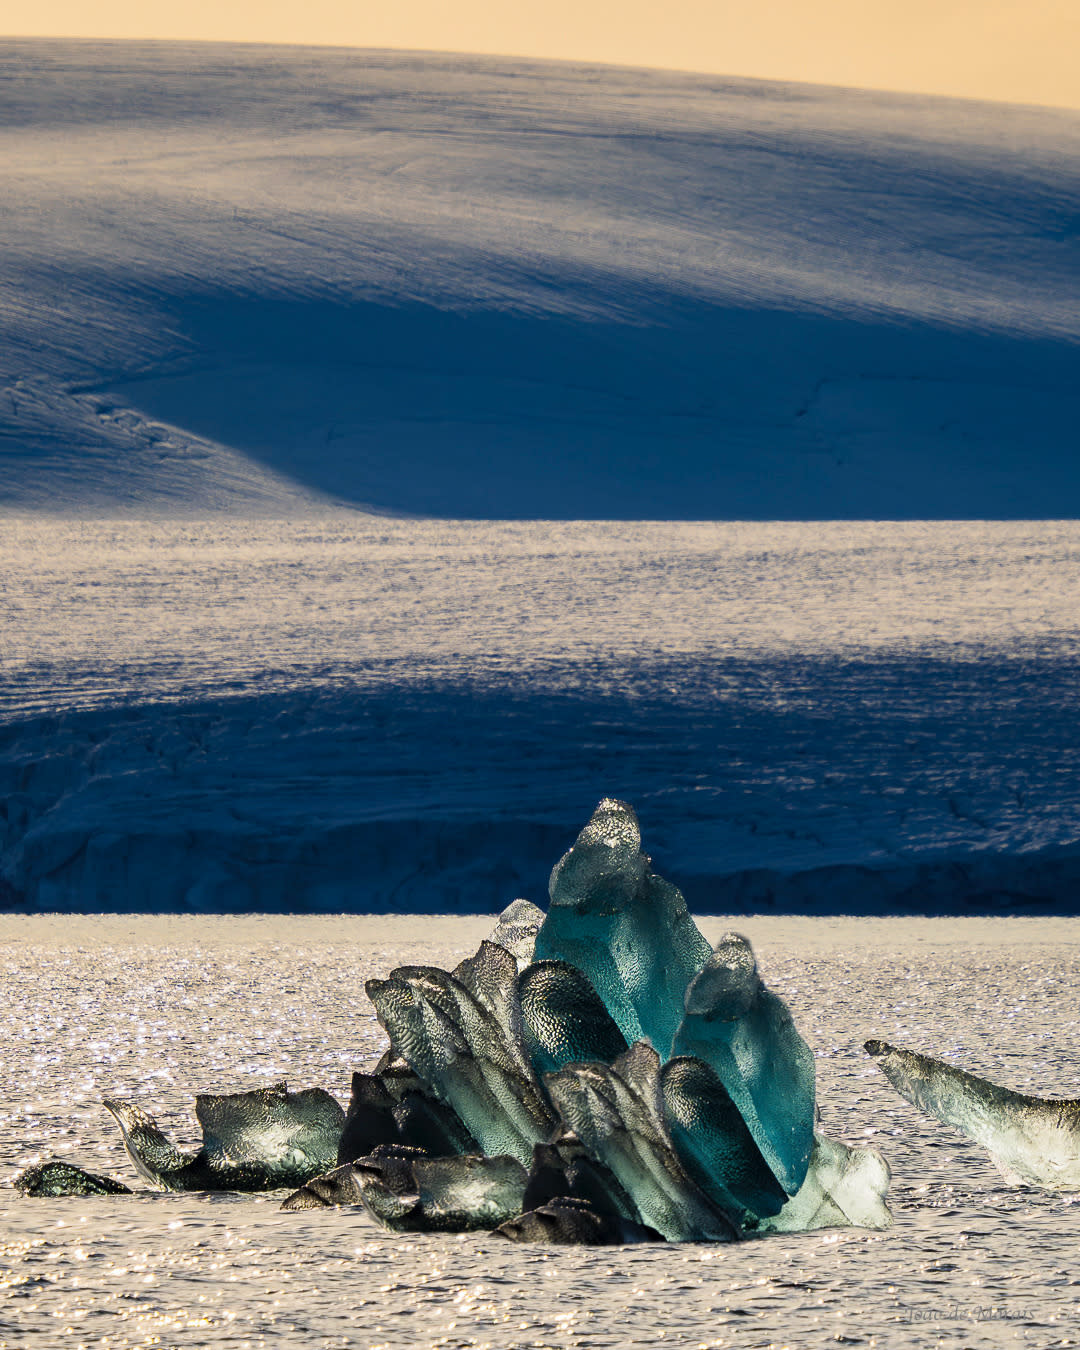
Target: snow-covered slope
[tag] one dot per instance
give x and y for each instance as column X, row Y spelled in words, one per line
column 252, row 278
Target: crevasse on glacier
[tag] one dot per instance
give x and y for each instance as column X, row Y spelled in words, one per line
column 594, row 1075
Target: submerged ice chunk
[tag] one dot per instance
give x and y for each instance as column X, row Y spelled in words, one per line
column 1032, row 1140
column 627, row 929
column 844, row 1188
column 563, row 1019
column 569, row 1222
column 55, row 1178
column 745, row 1034
column 252, row 1141
column 615, row 1111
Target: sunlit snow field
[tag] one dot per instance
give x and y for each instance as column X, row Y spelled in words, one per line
column 159, row 1008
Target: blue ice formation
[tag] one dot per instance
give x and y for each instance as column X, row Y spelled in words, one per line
column 622, row 926
column 1033, row 1141
column 604, row 1070
column 594, row 1075
column 746, row 1035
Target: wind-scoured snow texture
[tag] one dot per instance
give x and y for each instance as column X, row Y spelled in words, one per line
column 248, row 278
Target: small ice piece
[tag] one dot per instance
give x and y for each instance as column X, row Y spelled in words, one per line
column 713, row 1142
column 615, row 1110
column 516, row 930
column 844, row 1188
column 627, row 929
column 563, row 1019
column 339, row 1187
column 252, row 1141
column 55, row 1178
column 471, row 1191
column 410, row 1192
column 466, row 1055
column 745, row 1033
column 1032, row 1140
column 565, row 1221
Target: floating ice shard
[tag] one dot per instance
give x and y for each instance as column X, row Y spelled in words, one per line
column 252, row 1141
column 407, row 1191
column 462, row 1051
column 627, row 929
column 1033, row 1140
column 566, row 1221
column 563, row 1019
column 330, row 1189
column 54, row 1178
column 844, row 1188
column 615, row 1110
column 745, row 1034
column 713, row 1141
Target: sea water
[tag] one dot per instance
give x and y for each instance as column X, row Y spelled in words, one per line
column 158, row 1008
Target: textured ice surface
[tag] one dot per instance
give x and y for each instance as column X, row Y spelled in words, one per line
column 844, row 1188
column 627, row 929
column 617, row 1113
column 1033, row 1140
column 55, row 1178
column 252, row 1141
column 516, row 930
column 563, row 1018
column 456, row 1044
column 713, row 1142
column 746, row 1035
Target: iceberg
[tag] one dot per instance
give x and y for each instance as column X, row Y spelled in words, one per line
column 598, row 1075
column 626, row 929
column 746, row 1035
column 252, row 1141
column 1032, row 1140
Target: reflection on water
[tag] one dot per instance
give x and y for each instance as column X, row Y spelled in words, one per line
column 159, row 1008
